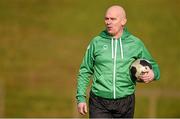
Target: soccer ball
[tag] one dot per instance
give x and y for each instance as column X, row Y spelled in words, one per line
column 139, row 67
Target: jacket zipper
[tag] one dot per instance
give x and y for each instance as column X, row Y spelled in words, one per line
column 114, row 56
column 114, row 71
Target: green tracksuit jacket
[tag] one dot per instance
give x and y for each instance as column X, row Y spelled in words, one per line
column 108, row 60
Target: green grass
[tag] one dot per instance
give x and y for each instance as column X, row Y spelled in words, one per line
column 42, row 43
column 168, row 107
column 141, row 108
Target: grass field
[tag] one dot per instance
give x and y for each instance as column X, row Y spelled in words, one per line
column 42, row 43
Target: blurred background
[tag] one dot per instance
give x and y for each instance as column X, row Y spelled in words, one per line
column 42, row 43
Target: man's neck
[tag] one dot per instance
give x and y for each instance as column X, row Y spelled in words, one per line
column 118, row 35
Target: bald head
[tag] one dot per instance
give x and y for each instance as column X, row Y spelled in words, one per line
column 115, row 19
column 116, row 10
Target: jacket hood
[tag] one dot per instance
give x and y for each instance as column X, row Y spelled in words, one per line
column 106, row 35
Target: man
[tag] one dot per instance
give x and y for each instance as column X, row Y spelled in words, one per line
column 107, row 59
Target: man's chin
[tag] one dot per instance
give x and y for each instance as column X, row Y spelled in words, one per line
column 110, row 33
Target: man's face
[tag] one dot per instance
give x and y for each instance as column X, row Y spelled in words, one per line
column 113, row 22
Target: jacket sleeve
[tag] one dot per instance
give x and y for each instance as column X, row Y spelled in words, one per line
column 85, row 71
column 146, row 55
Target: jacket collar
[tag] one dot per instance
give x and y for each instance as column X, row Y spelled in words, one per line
column 106, row 35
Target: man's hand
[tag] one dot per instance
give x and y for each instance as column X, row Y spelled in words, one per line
column 82, row 108
column 147, row 77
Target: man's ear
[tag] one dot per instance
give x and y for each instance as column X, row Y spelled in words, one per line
column 123, row 21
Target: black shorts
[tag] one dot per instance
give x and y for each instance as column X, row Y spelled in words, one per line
column 111, row 108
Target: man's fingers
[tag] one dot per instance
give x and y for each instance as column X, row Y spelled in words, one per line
column 82, row 108
column 85, row 109
column 147, row 77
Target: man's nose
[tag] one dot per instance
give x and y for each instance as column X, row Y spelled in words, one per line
column 108, row 22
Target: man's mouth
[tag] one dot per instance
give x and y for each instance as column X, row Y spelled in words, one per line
column 109, row 28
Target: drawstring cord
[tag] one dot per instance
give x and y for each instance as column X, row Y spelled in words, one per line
column 120, row 43
column 112, row 43
column 121, row 49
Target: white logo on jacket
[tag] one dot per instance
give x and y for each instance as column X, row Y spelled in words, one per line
column 105, row 47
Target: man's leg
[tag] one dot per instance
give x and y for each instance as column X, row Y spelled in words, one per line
column 130, row 107
column 97, row 109
column 125, row 107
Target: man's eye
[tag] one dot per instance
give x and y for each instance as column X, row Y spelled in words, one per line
column 113, row 18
